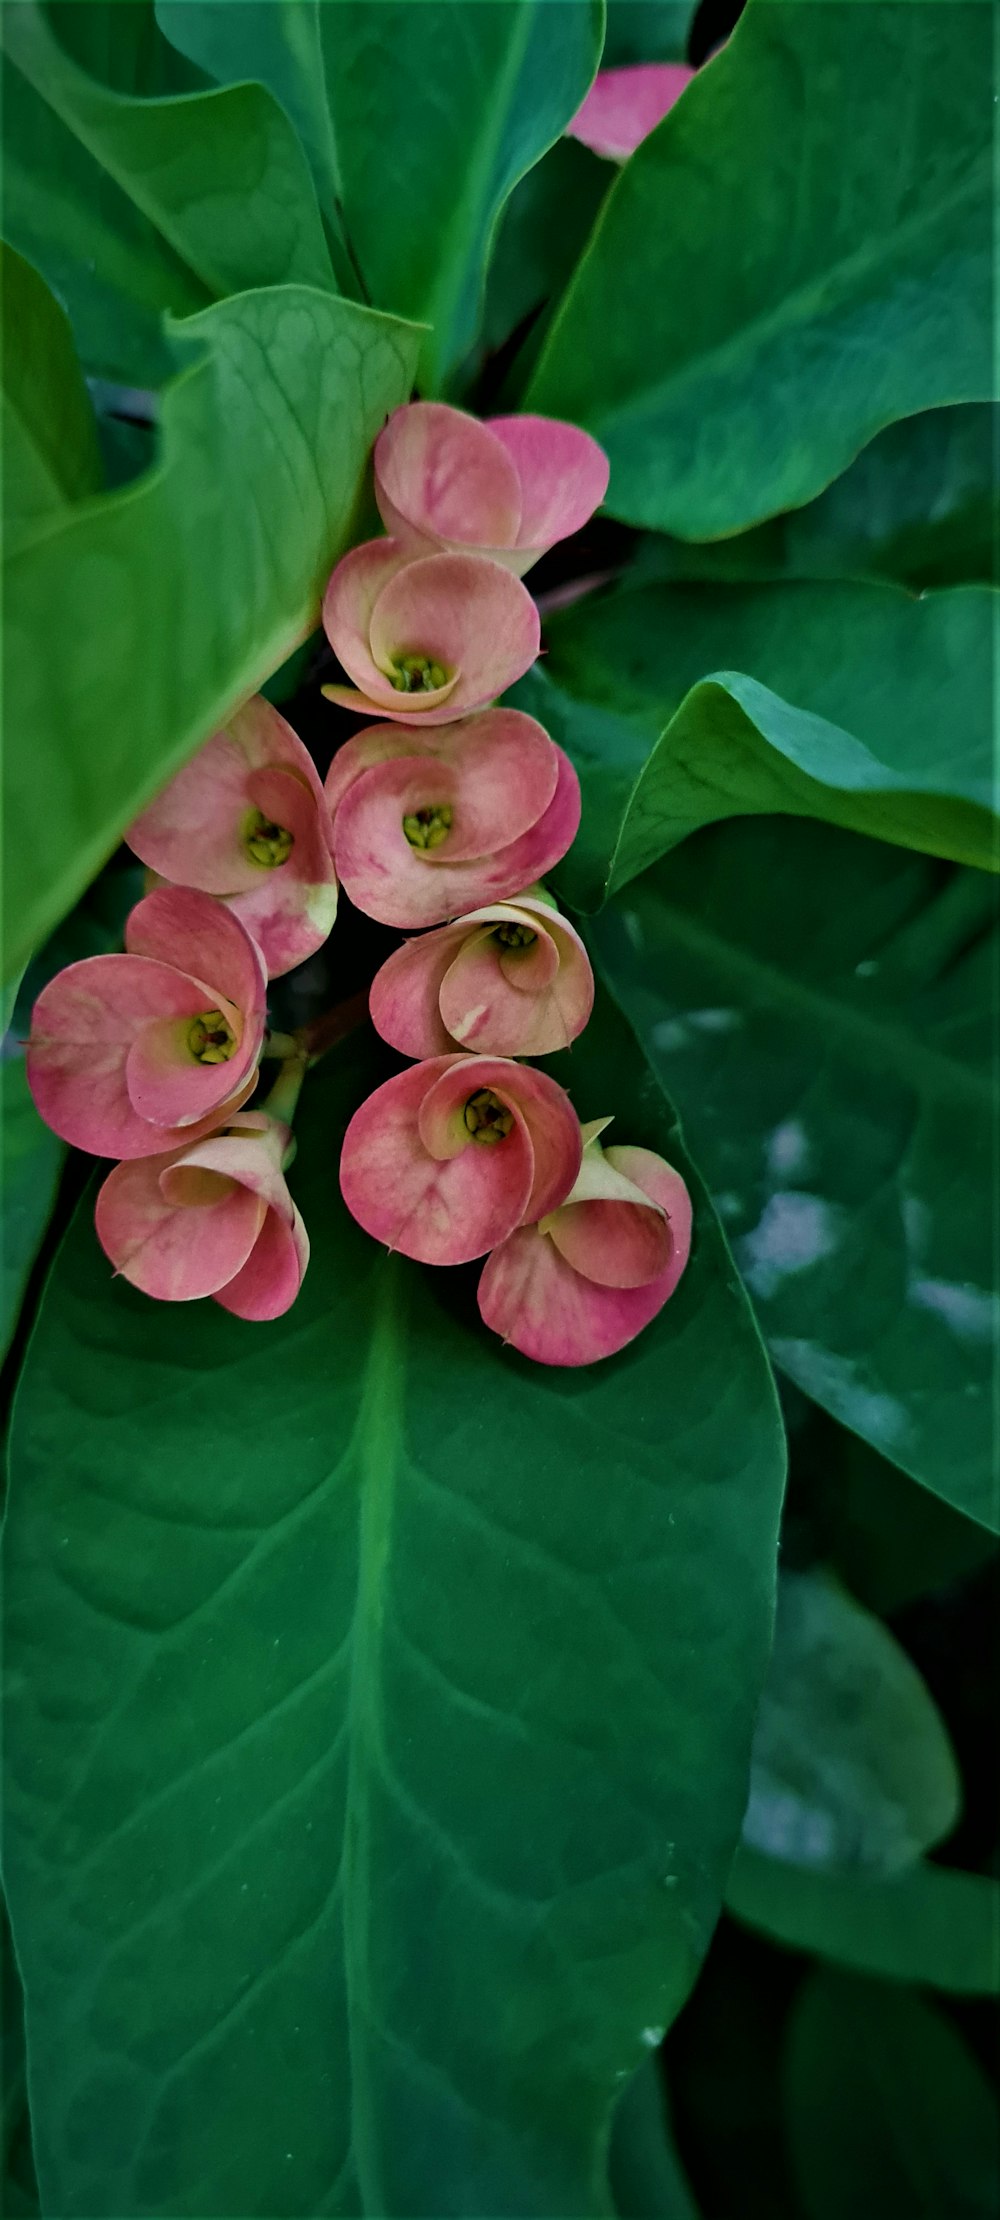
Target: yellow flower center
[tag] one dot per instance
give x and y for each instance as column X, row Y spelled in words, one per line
column 486, row 1117
column 418, row 674
column 515, row 936
column 266, row 842
column 426, row 828
column 210, row 1039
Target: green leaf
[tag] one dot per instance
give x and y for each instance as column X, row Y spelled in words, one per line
column 647, row 2179
column 32, row 1161
column 854, row 703
column 277, row 41
column 105, row 261
column 766, row 288
column 220, row 174
column 930, row 1925
column 919, row 507
column 379, row 1710
column 821, row 1009
column 182, row 592
column 50, row 451
column 437, row 111
column 851, row 1767
column 647, row 31
column 540, row 236
column 888, row 2111
column 18, row 2188
column 890, row 1540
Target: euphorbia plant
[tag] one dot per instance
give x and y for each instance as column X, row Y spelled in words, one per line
column 500, row 818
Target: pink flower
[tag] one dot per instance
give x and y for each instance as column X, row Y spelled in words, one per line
column 513, row 979
column 585, row 1280
column 509, row 488
column 216, row 1219
column 130, row 1055
column 446, row 1159
column 624, row 105
column 429, row 638
column 246, row 819
column 427, row 824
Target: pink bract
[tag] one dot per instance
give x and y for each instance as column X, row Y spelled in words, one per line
column 246, row 820
column 624, row 105
column 512, row 979
column 426, row 638
column 443, row 1161
column 130, row 1055
column 213, row 1219
column 509, row 488
column 585, row 1281
column 427, row 825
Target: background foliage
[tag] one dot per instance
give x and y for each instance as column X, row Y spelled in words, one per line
column 382, row 1713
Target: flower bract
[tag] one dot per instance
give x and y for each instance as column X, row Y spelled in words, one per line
column 130, row 1054
column 246, row 820
column 582, row 1282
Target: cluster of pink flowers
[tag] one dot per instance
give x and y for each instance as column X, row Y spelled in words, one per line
column 441, row 819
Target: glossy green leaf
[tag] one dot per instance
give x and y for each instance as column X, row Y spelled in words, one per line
column 854, row 703
column 179, row 594
column 50, row 452
column 820, row 1007
column 888, row 2111
column 540, row 236
column 277, row 42
column 647, row 2179
column 220, row 174
column 766, row 288
column 379, row 1710
column 891, row 1541
column 930, row 1925
column 919, row 506
column 851, row 1768
column 437, row 111
column 647, row 31
column 109, row 266
column 18, row 2188
column 31, row 1160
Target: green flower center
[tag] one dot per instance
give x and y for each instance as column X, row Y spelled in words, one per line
column 266, row 842
column 210, row 1039
column 515, row 936
column 426, row 828
column 418, row 674
column 486, row 1117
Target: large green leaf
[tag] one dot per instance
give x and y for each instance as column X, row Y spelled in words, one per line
column 31, row 1160
column 379, row 1710
column 851, row 1767
column 220, row 174
column 888, row 2112
column 820, row 1007
column 178, row 594
column 647, row 31
column 50, row 452
column 278, row 42
column 855, row 703
column 766, row 287
column 647, row 2179
column 930, row 1925
column 437, row 111
column 108, row 264
column 890, row 1541
column 919, row 506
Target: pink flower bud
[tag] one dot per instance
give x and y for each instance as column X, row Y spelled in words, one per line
column 513, row 979
column 427, row 824
column 508, row 488
column 130, row 1055
column 585, row 1280
column 246, row 820
column 624, row 105
column 427, row 639
column 216, row 1219
column 446, row 1159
